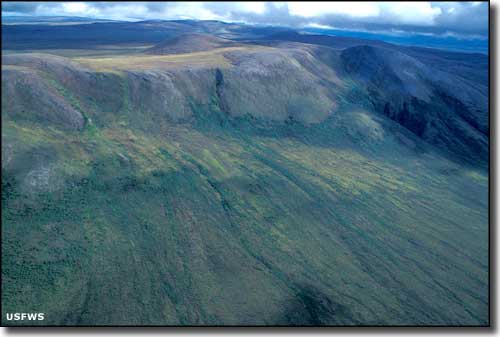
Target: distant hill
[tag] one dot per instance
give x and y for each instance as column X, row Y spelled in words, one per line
column 25, row 31
column 428, row 40
column 49, row 20
column 323, row 40
column 188, row 43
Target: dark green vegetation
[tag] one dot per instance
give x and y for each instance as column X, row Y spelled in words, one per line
column 267, row 183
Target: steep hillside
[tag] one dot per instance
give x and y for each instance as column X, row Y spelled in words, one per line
column 439, row 106
column 244, row 185
column 263, row 82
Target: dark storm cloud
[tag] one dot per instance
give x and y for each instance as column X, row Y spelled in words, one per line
column 454, row 18
column 465, row 17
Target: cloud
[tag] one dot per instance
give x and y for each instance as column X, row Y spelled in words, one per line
column 350, row 9
column 458, row 18
column 416, row 13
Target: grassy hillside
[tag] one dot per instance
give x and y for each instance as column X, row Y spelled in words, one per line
column 252, row 186
column 189, row 43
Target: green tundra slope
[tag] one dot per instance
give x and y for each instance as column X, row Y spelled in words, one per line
column 235, row 190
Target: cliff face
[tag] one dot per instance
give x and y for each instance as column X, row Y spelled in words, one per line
column 291, row 83
column 294, row 184
column 271, row 85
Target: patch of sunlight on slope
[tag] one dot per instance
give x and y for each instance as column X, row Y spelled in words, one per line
column 149, row 62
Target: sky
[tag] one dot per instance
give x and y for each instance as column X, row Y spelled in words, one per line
column 462, row 20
